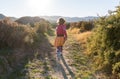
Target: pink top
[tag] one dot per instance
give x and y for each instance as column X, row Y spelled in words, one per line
column 61, row 30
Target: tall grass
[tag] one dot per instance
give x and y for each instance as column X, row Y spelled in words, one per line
column 73, row 30
column 42, row 26
column 82, row 37
column 18, row 44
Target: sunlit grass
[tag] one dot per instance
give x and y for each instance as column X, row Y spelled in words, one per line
column 82, row 37
column 74, row 31
column 80, row 61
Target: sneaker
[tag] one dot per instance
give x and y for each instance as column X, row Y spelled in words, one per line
column 61, row 54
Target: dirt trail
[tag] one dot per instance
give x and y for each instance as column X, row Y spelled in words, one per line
column 45, row 66
column 62, row 69
column 72, row 65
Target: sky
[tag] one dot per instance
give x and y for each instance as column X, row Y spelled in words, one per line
column 68, row 8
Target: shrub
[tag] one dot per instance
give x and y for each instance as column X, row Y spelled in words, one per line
column 42, row 27
column 86, row 26
column 82, row 25
column 104, row 44
column 14, row 35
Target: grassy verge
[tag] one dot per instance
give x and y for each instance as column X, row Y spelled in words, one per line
column 79, row 59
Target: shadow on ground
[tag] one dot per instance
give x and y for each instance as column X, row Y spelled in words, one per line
column 15, row 63
column 63, row 67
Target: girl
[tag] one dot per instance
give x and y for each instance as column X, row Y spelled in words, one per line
column 61, row 36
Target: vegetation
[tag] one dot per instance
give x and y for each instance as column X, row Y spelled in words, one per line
column 98, row 48
column 29, row 20
column 104, row 45
column 14, row 35
column 83, row 26
column 93, row 48
column 18, row 43
column 77, row 59
column 82, row 38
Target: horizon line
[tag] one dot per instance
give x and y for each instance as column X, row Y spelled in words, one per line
column 49, row 16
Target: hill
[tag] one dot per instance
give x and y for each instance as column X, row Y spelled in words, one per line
column 13, row 18
column 69, row 19
column 2, row 16
column 29, row 20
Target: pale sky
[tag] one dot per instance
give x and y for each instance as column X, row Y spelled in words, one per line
column 70, row 8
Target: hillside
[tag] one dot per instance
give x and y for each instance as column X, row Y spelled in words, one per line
column 29, row 20
column 69, row 19
column 2, row 16
column 13, row 18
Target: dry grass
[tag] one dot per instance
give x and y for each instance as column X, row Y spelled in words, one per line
column 41, row 27
column 14, row 35
column 73, row 30
column 82, row 37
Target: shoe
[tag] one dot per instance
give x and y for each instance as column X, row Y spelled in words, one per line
column 61, row 54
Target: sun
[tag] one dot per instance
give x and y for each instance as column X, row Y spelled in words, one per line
column 40, row 5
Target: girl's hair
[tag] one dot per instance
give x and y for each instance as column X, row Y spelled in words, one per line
column 60, row 21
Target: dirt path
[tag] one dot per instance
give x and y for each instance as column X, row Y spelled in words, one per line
column 62, row 69
column 73, row 64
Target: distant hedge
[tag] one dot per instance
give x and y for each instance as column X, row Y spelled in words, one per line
column 82, row 25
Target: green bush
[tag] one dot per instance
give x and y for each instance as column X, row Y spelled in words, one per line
column 104, row 44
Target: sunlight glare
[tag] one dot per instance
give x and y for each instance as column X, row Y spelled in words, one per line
column 39, row 4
